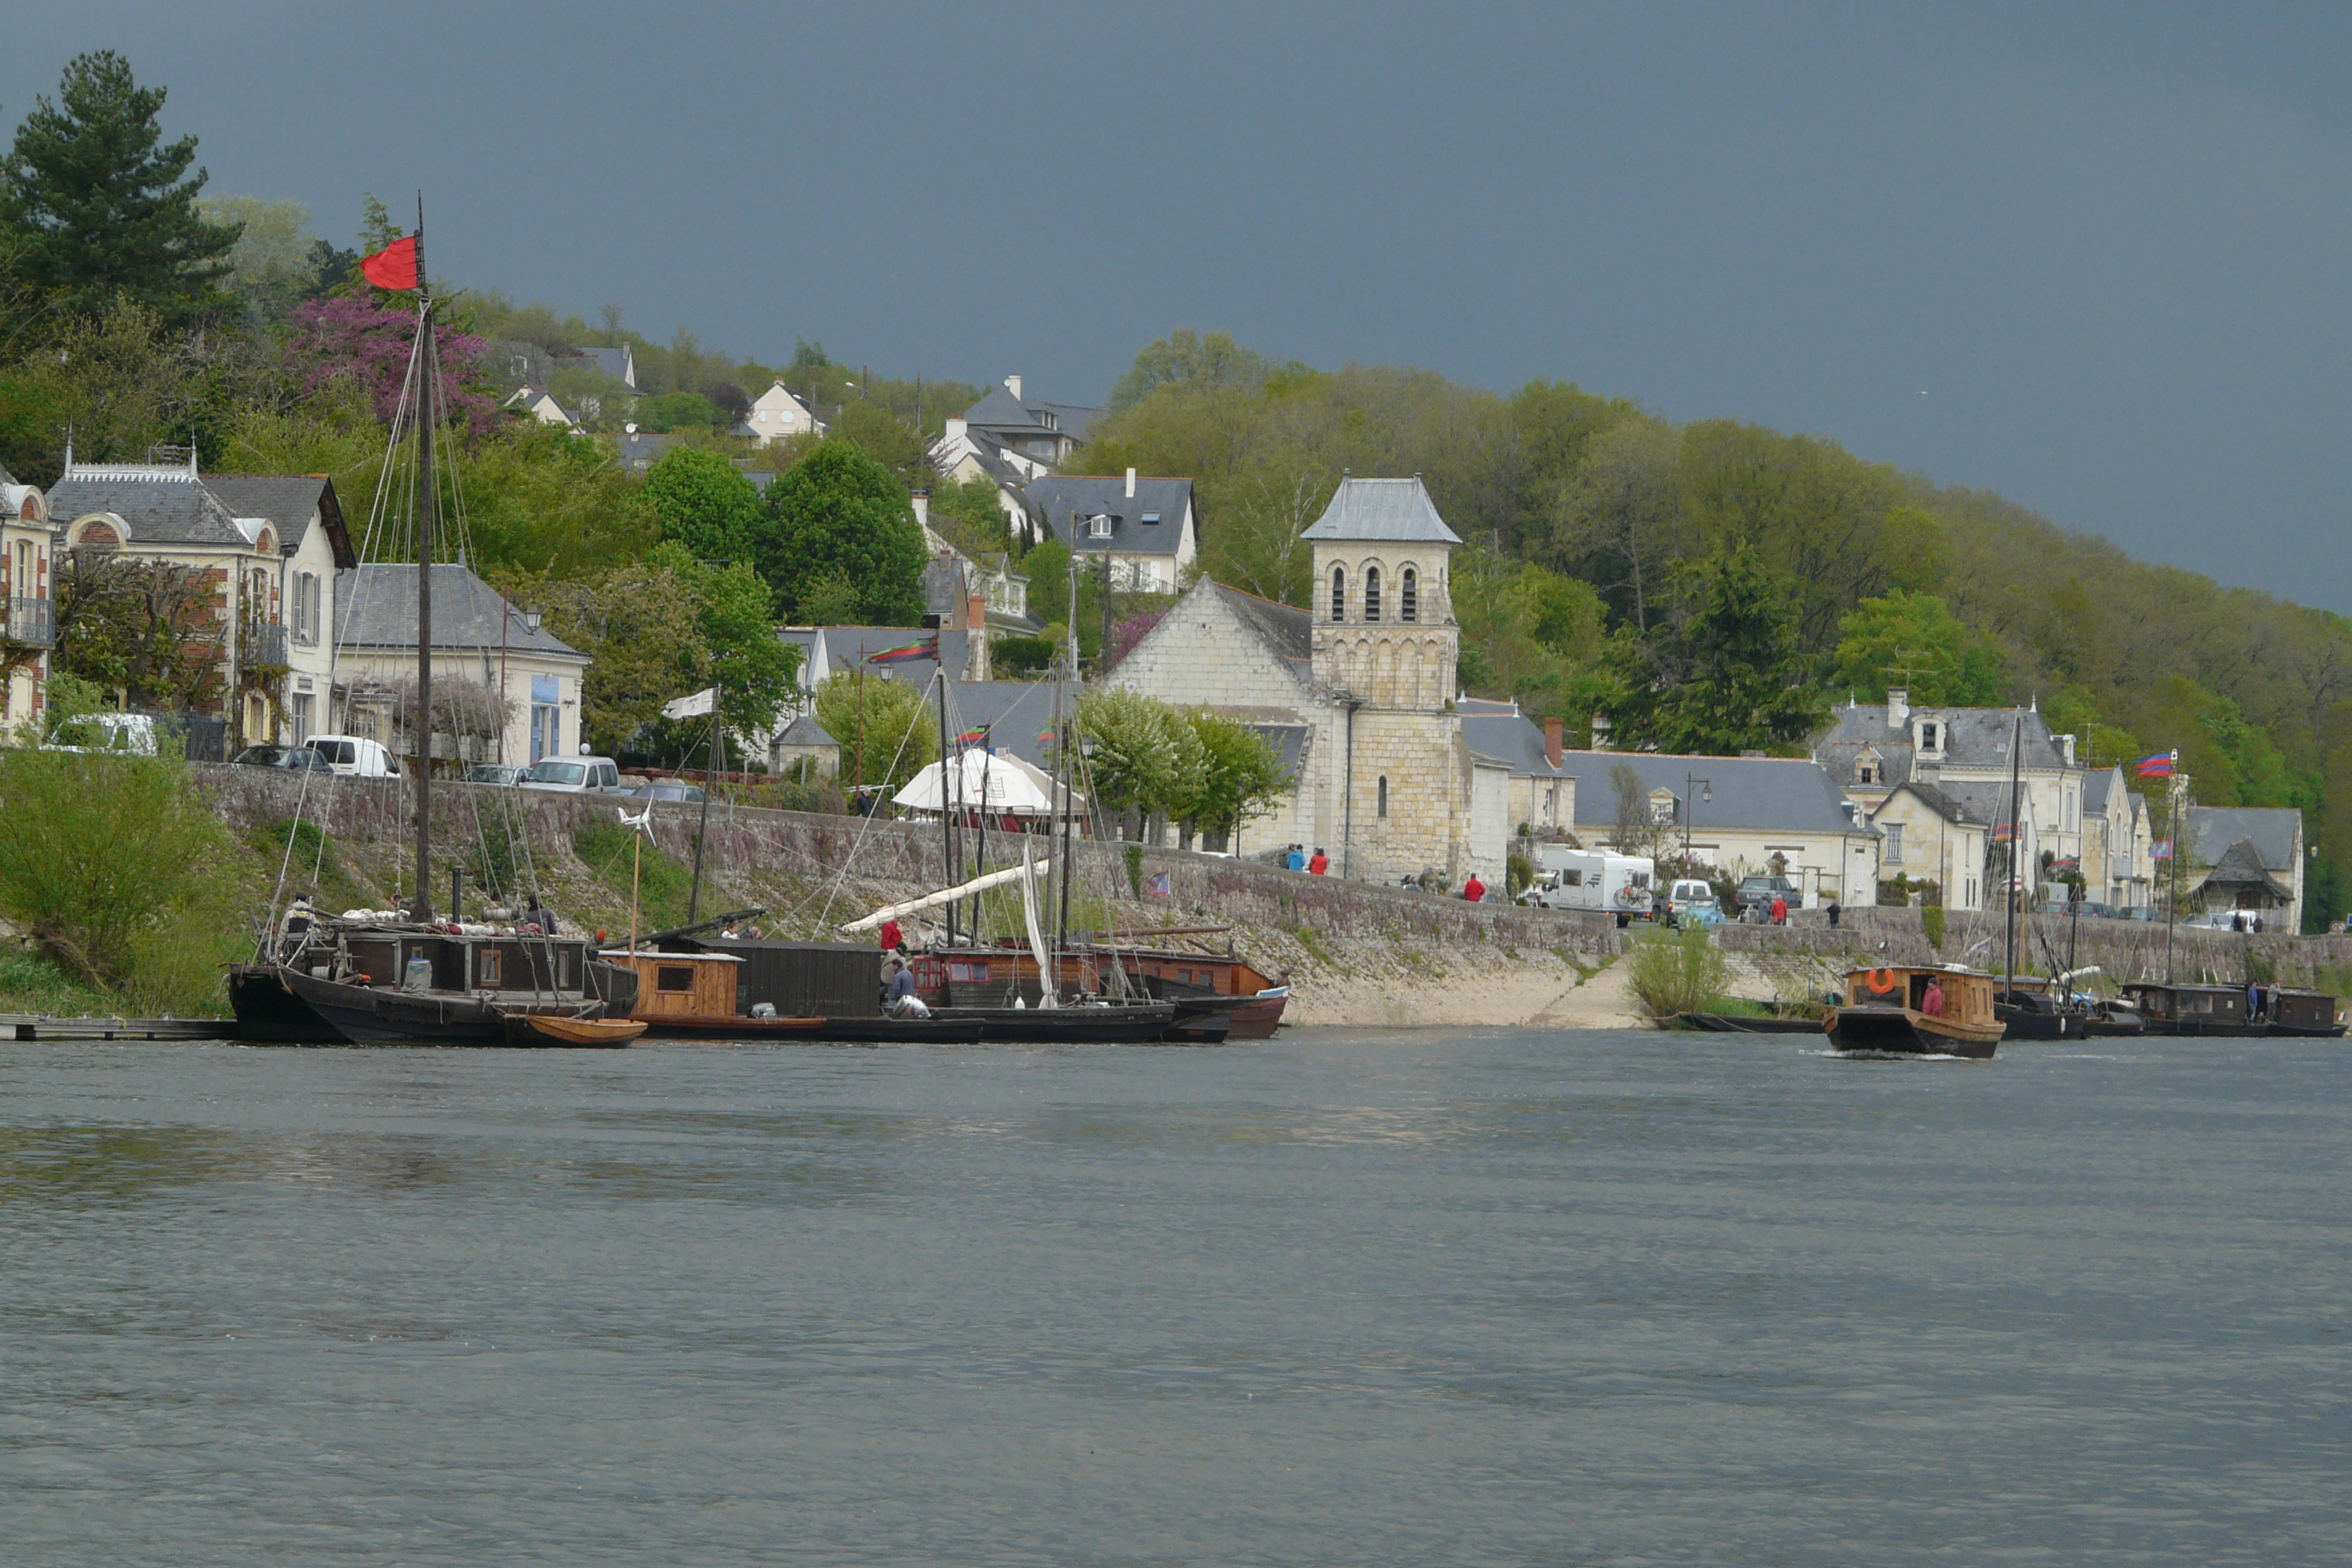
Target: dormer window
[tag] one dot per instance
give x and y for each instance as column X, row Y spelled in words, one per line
column 1098, row 526
column 1931, row 738
column 1865, row 772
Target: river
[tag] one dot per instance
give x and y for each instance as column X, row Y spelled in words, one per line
column 1494, row 1297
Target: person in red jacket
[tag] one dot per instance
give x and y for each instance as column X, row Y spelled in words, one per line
column 1473, row 890
column 1779, row 910
column 891, row 936
column 1321, row 864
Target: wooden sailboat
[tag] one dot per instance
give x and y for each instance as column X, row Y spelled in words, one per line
column 1888, row 1010
column 418, row 980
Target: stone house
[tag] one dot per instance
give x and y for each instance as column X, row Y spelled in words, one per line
column 1746, row 815
column 1144, row 527
column 27, row 542
column 2246, row 857
column 1869, row 750
column 264, row 551
column 1388, row 780
column 479, row 638
column 1940, row 835
column 2118, row 843
column 1542, row 792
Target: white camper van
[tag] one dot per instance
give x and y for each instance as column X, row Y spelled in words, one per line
column 1622, row 885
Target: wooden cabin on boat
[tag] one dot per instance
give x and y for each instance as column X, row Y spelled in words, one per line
column 2190, row 1009
column 1886, row 1009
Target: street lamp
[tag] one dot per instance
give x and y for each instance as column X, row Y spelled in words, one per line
column 1708, row 787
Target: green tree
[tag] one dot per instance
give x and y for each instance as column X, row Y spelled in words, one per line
column 107, row 208
column 838, row 514
column 705, row 503
column 677, row 411
column 884, row 436
column 1240, row 775
column 1912, row 641
column 887, row 732
column 752, row 666
column 274, row 264
column 1145, row 757
column 1722, row 674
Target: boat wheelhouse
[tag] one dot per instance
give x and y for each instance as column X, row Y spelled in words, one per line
column 1898, row 1010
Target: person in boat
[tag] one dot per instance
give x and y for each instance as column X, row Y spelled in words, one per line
column 1473, row 890
column 1321, row 865
column 893, row 939
column 536, row 915
column 1931, row 1001
column 296, row 928
column 898, row 998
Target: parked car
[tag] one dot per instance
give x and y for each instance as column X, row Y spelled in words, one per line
column 494, row 773
column 1691, row 902
column 667, row 789
column 356, row 756
column 574, row 776
column 292, row 759
column 1757, row 893
column 118, row 734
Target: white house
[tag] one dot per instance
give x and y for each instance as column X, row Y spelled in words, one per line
column 776, row 415
column 27, row 542
column 1145, row 526
column 540, row 405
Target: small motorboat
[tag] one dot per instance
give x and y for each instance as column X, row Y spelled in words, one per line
column 1887, row 1013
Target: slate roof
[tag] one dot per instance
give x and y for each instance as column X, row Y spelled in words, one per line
column 805, row 731
column 375, row 608
column 1065, row 499
column 1974, row 739
column 160, row 505
column 1285, row 628
column 611, row 362
column 2240, row 865
column 1984, row 803
column 2270, row 831
column 292, row 502
column 1511, row 737
column 2098, row 787
column 1000, row 410
column 1397, row 509
column 1074, row 420
column 641, row 450
column 1952, row 802
column 1786, row 795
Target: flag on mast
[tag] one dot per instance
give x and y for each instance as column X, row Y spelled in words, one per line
column 394, row 267
column 927, row 648
column 2158, row 766
column 692, row 707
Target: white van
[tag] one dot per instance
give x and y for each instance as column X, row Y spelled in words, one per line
column 574, row 776
column 1622, row 885
column 356, row 756
column 117, row 734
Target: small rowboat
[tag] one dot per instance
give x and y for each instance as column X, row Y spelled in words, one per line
column 554, row 1028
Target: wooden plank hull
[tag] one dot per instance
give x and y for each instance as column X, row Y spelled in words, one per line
column 1899, row 1031
column 543, row 1029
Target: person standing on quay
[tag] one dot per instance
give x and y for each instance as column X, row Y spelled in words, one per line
column 1321, row 864
column 1473, row 890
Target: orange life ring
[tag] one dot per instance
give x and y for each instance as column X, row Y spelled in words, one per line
column 1882, row 981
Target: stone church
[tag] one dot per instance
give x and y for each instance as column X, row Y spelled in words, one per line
column 1359, row 692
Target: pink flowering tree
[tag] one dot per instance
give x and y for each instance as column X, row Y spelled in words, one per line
column 369, row 343
column 1125, row 634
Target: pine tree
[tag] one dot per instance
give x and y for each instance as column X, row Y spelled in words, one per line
column 103, row 208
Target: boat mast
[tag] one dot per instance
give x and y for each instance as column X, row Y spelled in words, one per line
column 427, row 517
column 709, row 783
column 950, row 872
column 2016, row 847
column 2172, row 882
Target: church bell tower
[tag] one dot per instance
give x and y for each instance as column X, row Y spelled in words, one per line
column 1383, row 612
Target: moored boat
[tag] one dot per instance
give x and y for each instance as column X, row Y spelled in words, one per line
column 419, row 985
column 1890, row 1011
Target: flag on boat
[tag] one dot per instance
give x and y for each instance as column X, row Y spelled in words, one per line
column 2004, row 833
column 2162, row 851
column 2158, row 766
column 922, row 647
column 394, row 267
column 693, row 707
column 973, row 737
column 1158, row 885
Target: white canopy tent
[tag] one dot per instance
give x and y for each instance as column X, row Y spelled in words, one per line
column 997, row 785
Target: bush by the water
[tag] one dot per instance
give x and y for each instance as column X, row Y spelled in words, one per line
column 1675, row 972
column 122, row 878
column 1931, row 919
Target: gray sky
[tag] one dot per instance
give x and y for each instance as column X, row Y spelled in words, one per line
column 2109, row 244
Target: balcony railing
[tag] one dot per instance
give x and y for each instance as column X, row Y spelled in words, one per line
column 32, row 623
column 264, row 645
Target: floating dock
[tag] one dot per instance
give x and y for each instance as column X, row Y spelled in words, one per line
column 32, row 1026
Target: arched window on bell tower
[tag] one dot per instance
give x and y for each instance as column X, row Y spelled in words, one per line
column 1339, row 593
column 1409, row 595
column 1371, row 593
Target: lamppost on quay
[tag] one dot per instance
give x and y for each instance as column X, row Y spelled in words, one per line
column 1708, row 786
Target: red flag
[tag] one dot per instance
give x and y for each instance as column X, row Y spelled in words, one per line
column 394, row 267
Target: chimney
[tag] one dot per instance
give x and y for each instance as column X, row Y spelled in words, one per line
column 2066, row 748
column 1012, row 385
column 1601, row 731
column 976, row 660
column 1552, row 749
column 955, row 429
column 922, row 500
column 1898, row 706
column 1130, row 484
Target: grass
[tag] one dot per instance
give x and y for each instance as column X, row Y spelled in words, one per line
column 1314, row 945
column 29, row 984
column 604, row 846
column 316, row 867
column 1675, row 972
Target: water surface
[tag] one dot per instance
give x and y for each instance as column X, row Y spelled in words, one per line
column 1490, row 1297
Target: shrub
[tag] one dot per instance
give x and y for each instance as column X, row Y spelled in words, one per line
column 1135, row 868
column 1518, row 872
column 1013, row 657
column 1675, row 972
column 1932, row 917
column 121, row 876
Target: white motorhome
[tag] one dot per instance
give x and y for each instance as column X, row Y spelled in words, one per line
column 1622, row 885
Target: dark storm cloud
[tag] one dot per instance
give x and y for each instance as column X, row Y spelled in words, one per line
column 2106, row 244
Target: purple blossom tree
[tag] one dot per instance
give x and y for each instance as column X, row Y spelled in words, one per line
column 1130, row 631
column 370, row 344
